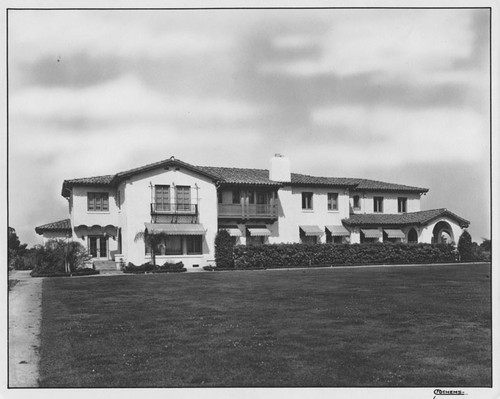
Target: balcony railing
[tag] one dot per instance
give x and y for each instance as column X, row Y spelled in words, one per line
column 248, row 211
column 174, row 209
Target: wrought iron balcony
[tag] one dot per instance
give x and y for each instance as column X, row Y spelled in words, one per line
column 174, row 209
column 249, row 211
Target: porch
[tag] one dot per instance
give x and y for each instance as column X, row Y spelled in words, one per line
column 247, row 211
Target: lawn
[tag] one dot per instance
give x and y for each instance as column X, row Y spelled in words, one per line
column 398, row 326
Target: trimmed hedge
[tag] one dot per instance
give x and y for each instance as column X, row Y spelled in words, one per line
column 305, row 255
column 148, row 267
column 224, row 250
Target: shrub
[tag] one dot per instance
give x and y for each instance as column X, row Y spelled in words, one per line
column 304, row 255
column 148, row 267
column 52, row 258
column 466, row 247
column 172, row 267
column 86, row 271
column 224, row 250
column 145, row 267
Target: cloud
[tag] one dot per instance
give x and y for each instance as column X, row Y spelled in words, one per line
column 396, row 136
column 104, row 34
column 396, row 44
column 355, row 93
column 123, row 100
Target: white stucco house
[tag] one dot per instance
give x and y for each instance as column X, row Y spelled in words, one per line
column 189, row 204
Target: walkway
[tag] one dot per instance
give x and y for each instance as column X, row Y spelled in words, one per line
column 25, row 300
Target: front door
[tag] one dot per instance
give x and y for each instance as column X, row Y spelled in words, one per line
column 98, row 246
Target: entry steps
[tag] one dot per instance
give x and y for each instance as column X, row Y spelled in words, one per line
column 106, row 267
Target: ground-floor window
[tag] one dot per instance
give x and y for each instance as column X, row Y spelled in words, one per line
column 309, row 239
column 172, row 244
column 256, row 240
column 177, row 245
column 335, row 239
column 412, row 236
column 193, row 245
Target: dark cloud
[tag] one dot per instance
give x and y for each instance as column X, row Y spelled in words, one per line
column 72, row 71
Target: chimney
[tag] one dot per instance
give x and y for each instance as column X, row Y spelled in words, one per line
column 280, row 169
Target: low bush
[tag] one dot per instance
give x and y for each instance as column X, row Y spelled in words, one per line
column 304, row 255
column 172, row 267
column 148, row 267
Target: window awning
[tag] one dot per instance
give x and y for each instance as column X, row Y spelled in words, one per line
column 175, row 229
column 337, row 231
column 233, row 231
column 259, row 231
column 372, row 233
column 311, row 230
column 394, row 233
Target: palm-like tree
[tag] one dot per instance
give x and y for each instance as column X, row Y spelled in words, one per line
column 151, row 241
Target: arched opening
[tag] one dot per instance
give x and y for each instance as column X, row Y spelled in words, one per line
column 412, row 236
column 442, row 233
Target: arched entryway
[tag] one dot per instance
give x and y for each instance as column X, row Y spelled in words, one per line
column 413, row 236
column 442, row 233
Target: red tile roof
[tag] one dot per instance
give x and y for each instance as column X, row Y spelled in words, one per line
column 61, row 225
column 243, row 176
column 402, row 219
column 298, row 179
column 239, row 175
column 375, row 185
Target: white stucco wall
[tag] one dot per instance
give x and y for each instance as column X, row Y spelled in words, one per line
column 426, row 233
column 291, row 214
column 135, row 211
column 80, row 215
column 390, row 202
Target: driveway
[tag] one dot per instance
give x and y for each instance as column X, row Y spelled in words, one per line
column 25, row 300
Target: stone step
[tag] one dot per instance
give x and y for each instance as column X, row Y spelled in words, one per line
column 102, row 265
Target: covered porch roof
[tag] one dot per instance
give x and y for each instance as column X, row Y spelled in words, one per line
column 403, row 219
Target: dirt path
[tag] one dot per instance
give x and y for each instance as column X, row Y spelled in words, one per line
column 25, row 300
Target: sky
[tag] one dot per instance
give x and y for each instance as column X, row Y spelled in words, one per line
column 398, row 95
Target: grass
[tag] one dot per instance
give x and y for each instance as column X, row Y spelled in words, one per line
column 421, row 326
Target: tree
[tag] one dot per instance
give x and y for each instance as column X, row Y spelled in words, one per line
column 486, row 245
column 151, row 241
column 466, row 247
column 59, row 256
column 15, row 247
column 224, row 257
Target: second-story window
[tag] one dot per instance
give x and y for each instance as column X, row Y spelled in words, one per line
column 402, row 204
column 355, row 202
column 307, row 200
column 219, row 197
column 183, row 198
column 98, row 202
column 162, row 198
column 333, row 201
column 378, row 204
